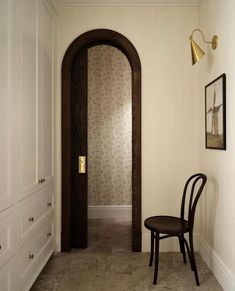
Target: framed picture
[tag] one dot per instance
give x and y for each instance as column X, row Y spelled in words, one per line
column 215, row 95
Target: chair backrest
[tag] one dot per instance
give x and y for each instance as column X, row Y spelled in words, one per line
column 194, row 186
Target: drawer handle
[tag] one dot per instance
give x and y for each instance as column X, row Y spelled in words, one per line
column 49, row 234
column 49, row 204
column 31, row 219
column 0, row 247
column 31, row 256
column 42, row 180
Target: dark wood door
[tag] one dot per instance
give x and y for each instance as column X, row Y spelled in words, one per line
column 78, row 150
column 74, row 208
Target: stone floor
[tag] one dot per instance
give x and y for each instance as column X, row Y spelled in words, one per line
column 109, row 265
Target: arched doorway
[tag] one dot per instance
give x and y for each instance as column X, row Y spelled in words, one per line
column 86, row 40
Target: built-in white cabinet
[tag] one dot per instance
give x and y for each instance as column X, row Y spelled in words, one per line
column 27, row 237
column 28, row 97
column 7, row 114
column 36, row 93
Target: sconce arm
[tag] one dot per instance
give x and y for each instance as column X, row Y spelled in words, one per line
column 203, row 37
column 213, row 42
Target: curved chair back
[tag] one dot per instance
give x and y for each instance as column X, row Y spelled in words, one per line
column 194, row 186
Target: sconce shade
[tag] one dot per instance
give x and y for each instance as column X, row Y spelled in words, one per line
column 197, row 52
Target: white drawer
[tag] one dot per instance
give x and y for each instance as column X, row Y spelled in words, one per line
column 32, row 212
column 34, row 254
column 8, row 278
column 7, row 236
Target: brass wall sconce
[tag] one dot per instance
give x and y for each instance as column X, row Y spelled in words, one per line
column 197, row 52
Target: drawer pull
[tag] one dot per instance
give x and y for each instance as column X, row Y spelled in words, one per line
column 40, row 181
column 49, row 234
column 31, row 219
column 43, row 180
column 49, row 204
column 0, row 247
column 31, row 256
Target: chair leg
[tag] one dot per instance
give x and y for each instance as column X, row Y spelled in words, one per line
column 188, row 251
column 152, row 249
column 182, row 248
column 193, row 261
column 156, row 258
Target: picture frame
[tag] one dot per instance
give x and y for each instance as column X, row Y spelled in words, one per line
column 215, row 114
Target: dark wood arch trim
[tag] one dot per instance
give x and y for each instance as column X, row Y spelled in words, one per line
column 88, row 39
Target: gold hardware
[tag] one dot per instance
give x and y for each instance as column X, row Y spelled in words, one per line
column 81, row 164
column 49, row 204
column 31, row 256
column 31, row 219
column 49, row 234
column 197, row 52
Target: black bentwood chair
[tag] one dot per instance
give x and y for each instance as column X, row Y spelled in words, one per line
column 177, row 226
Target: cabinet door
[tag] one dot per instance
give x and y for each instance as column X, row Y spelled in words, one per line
column 3, row 101
column 8, row 183
column 29, row 99
column 45, row 37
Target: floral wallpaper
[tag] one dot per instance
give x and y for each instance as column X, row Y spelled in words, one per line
column 109, row 127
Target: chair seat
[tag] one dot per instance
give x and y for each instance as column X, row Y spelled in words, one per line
column 167, row 225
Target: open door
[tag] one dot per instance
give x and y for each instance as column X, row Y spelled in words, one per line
column 79, row 150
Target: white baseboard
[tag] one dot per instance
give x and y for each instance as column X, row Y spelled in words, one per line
column 117, row 212
column 222, row 273
column 166, row 245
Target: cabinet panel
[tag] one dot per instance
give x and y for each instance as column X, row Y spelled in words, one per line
column 45, row 66
column 29, row 100
column 5, row 197
column 8, row 276
column 32, row 212
column 3, row 100
column 34, row 254
column 7, row 236
column 9, row 154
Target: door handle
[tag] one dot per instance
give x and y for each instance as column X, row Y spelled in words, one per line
column 82, row 164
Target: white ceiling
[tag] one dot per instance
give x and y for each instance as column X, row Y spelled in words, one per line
column 128, row 2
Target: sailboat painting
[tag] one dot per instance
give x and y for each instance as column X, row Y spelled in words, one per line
column 215, row 113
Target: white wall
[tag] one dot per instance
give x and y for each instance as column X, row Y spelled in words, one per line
column 170, row 96
column 217, row 213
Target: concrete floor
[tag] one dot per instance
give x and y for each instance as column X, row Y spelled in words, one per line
column 109, row 265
